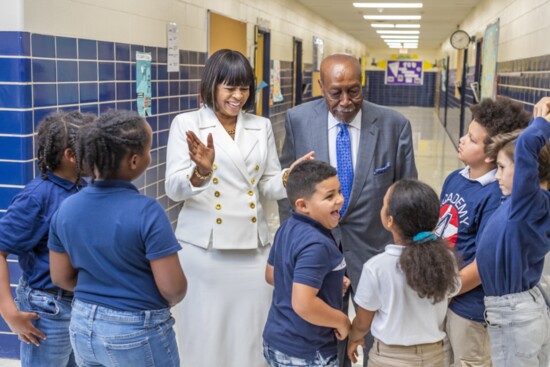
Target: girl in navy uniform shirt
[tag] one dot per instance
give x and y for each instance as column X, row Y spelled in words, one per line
column 512, row 247
column 116, row 249
column 41, row 312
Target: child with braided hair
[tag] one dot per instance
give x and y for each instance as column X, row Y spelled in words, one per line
column 116, row 249
column 403, row 293
column 41, row 311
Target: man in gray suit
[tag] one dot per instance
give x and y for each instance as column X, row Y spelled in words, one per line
column 381, row 152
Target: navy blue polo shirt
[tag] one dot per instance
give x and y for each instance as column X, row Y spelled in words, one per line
column 303, row 252
column 111, row 233
column 24, row 228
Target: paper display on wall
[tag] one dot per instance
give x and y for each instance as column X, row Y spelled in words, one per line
column 404, row 72
column 490, row 53
column 143, row 83
column 276, row 95
column 173, row 57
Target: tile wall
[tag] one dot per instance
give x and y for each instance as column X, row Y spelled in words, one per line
column 43, row 73
column 395, row 95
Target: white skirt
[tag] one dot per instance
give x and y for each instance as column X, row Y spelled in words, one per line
column 221, row 319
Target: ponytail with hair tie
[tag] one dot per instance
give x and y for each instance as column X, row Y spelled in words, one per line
column 424, row 237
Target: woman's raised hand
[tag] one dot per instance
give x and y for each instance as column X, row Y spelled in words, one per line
column 202, row 155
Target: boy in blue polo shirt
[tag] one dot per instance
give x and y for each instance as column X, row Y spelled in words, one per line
column 307, row 270
column 468, row 198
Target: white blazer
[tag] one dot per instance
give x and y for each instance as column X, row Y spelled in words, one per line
column 226, row 211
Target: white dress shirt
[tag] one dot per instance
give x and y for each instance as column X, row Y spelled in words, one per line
column 354, row 134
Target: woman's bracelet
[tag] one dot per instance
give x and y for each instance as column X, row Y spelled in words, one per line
column 201, row 177
column 285, row 177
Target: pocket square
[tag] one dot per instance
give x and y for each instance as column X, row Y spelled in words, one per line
column 380, row 170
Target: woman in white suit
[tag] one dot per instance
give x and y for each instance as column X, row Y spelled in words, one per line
column 221, row 161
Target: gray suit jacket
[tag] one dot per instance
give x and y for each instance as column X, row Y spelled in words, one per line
column 385, row 155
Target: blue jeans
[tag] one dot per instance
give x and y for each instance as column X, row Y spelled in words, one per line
column 105, row 337
column 55, row 316
column 276, row 358
column 519, row 329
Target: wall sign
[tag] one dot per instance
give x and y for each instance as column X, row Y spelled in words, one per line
column 404, row 72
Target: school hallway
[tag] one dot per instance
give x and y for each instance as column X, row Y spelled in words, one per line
column 434, row 152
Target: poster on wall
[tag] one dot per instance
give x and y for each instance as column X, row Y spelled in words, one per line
column 318, row 53
column 143, row 83
column 173, row 48
column 276, row 95
column 489, row 62
column 404, row 72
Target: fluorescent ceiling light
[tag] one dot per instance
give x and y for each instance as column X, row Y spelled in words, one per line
column 382, row 25
column 392, row 17
column 397, row 32
column 396, row 47
column 399, row 40
column 410, row 46
column 398, row 36
column 388, row 5
column 389, row 25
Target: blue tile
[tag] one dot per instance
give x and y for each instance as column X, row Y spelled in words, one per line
column 124, row 106
column 44, row 95
column 91, row 108
column 15, row 96
column 163, row 105
column 39, row 114
column 88, row 92
column 87, row 49
column 43, row 71
column 42, row 45
column 162, row 73
column 67, row 71
column 174, row 88
column 151, row 175
column 87, row 70
column 107, row 92
column 66, row 47
column 106, row 71
column 123, row 91
column 16, row 122
column 16, row 148
column 153, row 72
column 184, row 57
column 153, row 52
column 15, row 70
column 10, row 346
column 67, row 93
column 14, row 268
column 162, row 89
column 174, row 104
column 105, row 50
column 162, row 55
column 16, row 173
column 164, row 122
column 134, row 49
column 122, row 71
column 122, row 52
column 104, row 107
column 15, row 43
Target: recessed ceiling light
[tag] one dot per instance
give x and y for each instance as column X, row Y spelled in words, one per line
column 392, row 17
column 397, row 32
column 398, row 36
column 388, row 5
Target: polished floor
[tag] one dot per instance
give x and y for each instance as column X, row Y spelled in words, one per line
column 434, row 151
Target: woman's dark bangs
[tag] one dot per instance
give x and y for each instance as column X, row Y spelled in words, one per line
column 235, row 74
